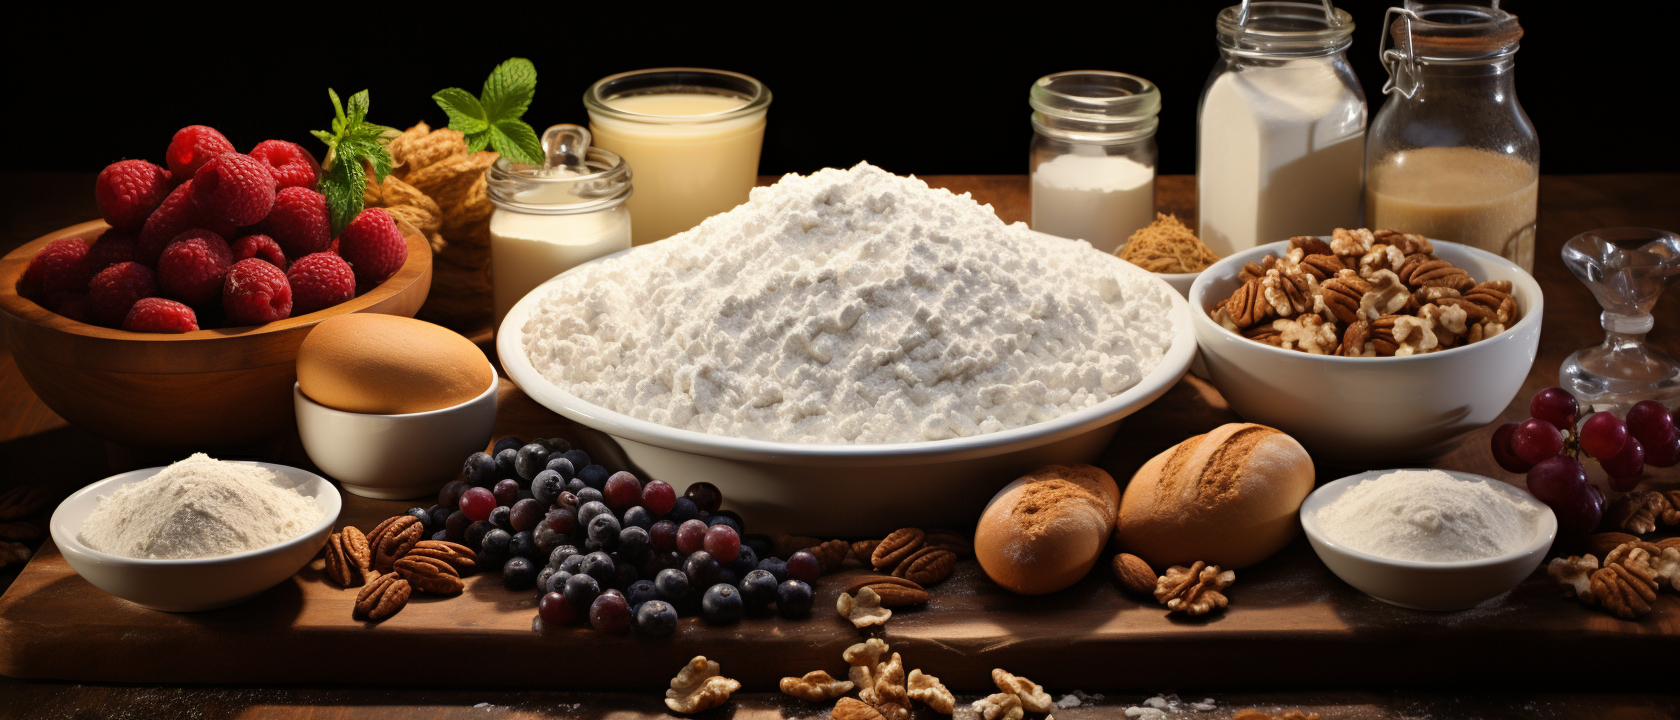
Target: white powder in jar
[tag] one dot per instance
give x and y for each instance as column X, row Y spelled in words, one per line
column 851, row 306
column 199, row 507
column 1429, row 516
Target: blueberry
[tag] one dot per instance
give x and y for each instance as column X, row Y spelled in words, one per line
column 776, row 567
column 473, row 537
column 578, row 457
column 519, row 574
column 557, row 581
column 525, row 546
column 558, row 555
column 543, row 577
column 530, row 460
column 599, row 566
column 745, row 562
column 547, row 539
column 734, row 516
column 554, row 444
column 502, row 517
column 562, row 467
column 638, row 516
column 496, row 542
column 419, row 513
column 701, row 569
column 441, row 535
column 793, row 599
column 725, row 576
column 505, row 460
column 760, row 543
column 588, row 494
column 594, row 476
column 656, row 618
column 547, row 486
column 507, row 443
column 591, row 545
column 671, row 584
column 440, row 518
column 721, row 605
column 683, row 509
column 604, row 528
column 480, row 470
column 581, row 590
column 633, row 543
column 722, row 519
column 640, row 592
column 587, row 512
column 573, row 563
column 575, row 486
column 758, row 590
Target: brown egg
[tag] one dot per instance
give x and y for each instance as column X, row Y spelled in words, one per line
column 389, row 365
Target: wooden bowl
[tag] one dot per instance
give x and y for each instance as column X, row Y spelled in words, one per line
column 208, row 388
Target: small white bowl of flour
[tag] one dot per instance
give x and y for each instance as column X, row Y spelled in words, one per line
column 1428, row 539
column 197, row 535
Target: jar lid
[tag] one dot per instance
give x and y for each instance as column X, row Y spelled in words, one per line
column 1096, row 95
column 1435, row 32
column 577, row 177
column 1284, row 29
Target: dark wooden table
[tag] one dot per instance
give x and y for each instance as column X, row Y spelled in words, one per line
column 35, row 443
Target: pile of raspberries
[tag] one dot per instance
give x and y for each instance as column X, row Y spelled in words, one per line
column 219, row 239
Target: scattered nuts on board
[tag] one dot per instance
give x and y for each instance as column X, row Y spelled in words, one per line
column 896, row 547
column 1602, row 543
column 1626, row 583
column 854, row 709
column 1252, row 714
column 816, row 686
column 1134, row 574
column 1001, row 706
column 12, row 553
column 888, row 695
column 699, row 686
column 830, row 554
column 382, row 597
column 863, row 658
column 927, row 689
column 428, row 574
column 1574, row 574
column 863, row 609
column 894, row 591
column 1623, row 592
column 1649, row 561
column 1194, row 590
column 1671, row 515
column 23, row 501
column 927, row 565
column 1031, row 694
column 429, row 566
column 1637, row 512
column 19, row 530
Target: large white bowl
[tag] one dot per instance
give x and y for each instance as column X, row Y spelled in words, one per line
column 1360, row 412
column 392, row 457
column 200, row 584
column 854, row 490
column 1427, row 585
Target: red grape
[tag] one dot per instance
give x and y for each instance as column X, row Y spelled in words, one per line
column 610, row 613
column 705, row 495
column 1535, row 440
column 658, row 497
column 506, row 492
column 1665, row 451
column 554, row 610
column 1502, row 452
column 477, row 503
column 622, row 490
column 562, row 520
column 1562, row 484
column 722, row 542
column 663, row 535
column 1625, row 467
column 803, row 565
column 1603, row 435
column 691, row 537
column 1650, row 422
column 525, row 514
column 1556, row 406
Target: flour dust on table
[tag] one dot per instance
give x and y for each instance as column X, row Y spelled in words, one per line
column 851, row 307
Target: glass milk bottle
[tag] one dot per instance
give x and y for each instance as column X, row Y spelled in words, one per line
column 1452, row 155
column 1281, row 127
column 693, row 135
column 553, row 217
column 1093, row 155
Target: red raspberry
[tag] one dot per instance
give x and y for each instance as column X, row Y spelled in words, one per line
column 116, row 288
column 176, row 215
column 193, row 146
column 191, row 268
column 233, row 187
column 256, row 292
column 289, row 163
column 60, row 268
column 160, row 315
column 113, row 246
column 261, row 247
column 129, row 190
column 373, row 246
column 299, row 222
column 320, row 281
column 76, row 307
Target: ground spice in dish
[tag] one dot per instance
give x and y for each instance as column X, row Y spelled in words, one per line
column 1167, row 246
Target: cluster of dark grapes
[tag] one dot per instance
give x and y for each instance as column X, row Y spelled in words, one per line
column 605, row 546
column 1547, row 446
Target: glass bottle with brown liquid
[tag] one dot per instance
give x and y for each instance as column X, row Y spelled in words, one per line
column 1451, row 155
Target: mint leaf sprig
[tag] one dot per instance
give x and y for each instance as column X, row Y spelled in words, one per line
column 352, row 144
column 492, row 118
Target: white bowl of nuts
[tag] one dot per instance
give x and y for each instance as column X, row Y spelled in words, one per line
column 1369, row 348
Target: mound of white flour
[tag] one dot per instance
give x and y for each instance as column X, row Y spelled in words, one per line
column 851, row 306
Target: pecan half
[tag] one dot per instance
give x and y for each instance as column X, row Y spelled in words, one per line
column 1324, row 266
column 1354, row 340
column 1194, row 590
column 1343, row 293
column 830, row 554
column 1266, row 333
column 1637, row 511
column 899, row 595
column 1381, row 337
column 382, row 597
column 1496, row 297
column 393, row 539
column 895, row 547
column 1624, row 593
column 1427, row 271
column 458, row 556
column 23, row 501
column 1408, row 243
column 1134, row 574
column 1310, row 245
column 864, row 549
column 1246, row 306
column 1671, row 516
column 876, row 581
column 429, row 574
column 339, row 568
column 927, row 565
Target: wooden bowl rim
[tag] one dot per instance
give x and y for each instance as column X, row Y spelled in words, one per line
column 12, row 266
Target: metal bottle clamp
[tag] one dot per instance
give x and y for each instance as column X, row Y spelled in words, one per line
column 1400, row 64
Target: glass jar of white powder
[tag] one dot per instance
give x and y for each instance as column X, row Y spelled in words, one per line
column 553, row 217
column 1281, row 127
column 1093, row 155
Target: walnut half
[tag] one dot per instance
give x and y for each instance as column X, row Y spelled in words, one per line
column 863, row 609
column 699, row 686
column 927, row 689
column 1194, row 590
column 815, row 686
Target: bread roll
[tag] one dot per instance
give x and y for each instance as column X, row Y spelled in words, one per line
column 389, row 365
column 1044, row 531
column 1228, row 498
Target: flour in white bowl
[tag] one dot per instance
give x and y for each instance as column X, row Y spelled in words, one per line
column 851, row 307
column 196, row 508
column 1429, row 516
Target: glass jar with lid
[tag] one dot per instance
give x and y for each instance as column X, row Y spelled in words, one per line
column 1093, row 155
column 1452, row 155
column 553, row 217
column 1281, row 127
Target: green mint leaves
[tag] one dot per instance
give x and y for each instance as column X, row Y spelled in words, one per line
column 353, row 144
column 492, row 118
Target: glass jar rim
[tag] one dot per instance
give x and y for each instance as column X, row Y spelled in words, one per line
column 1448, row 33
column 658, row 81
column 607, row 187
column 1274, row 28
column 1101, row 96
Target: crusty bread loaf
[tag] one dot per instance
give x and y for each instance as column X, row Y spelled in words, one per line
column 1228, row 498
column 1044, row 531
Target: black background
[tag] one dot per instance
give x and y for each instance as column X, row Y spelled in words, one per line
column 914, row 88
